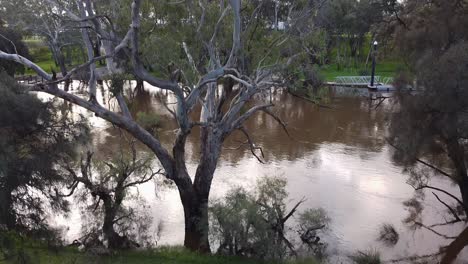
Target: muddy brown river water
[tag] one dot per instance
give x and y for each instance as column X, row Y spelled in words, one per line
column 337, row 159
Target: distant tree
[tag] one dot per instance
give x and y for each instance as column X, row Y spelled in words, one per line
column 34, row 136
column 433, row 37
column 348, row 22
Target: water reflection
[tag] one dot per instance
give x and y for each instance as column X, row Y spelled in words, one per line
column 336, row 158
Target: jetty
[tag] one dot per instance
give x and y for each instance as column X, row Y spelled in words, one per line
column 380, row 83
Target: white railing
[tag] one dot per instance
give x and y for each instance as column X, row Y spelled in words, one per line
column 362, row 80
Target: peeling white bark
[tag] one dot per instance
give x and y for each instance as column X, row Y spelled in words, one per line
column 22, row 60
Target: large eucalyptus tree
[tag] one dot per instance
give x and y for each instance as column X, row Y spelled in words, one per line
column 216, row 50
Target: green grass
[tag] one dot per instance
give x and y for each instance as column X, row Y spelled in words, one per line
column 45, row 65
column 165, row 255
column 34, row 42
column 383, row 69
column 40, row 54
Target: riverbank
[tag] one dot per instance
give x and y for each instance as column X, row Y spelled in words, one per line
column 384, row 69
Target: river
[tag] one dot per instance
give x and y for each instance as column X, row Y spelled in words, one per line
column 336, row 158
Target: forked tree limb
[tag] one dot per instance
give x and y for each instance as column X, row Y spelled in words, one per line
column 452, row 211
column 252, row 146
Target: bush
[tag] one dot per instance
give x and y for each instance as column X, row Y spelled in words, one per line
column 149, row 121
column 253, row 224
column 366, row 257
column 12, row 248
column 388, row 235
column 41, row 53
column 11, row 42
column 313, row 78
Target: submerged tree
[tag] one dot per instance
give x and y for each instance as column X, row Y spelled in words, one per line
column 433, row 37
column 110, row 182
column 34, row 136
column 254, row 223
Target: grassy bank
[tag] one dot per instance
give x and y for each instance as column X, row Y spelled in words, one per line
column 40, row 54
column 387, row 64
column 383, row 69
column 166, row 255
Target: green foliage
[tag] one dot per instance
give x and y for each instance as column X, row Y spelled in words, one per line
column 16, row 248
column 302, row 76
column 313, row 218
column 253, row 223
column 34, row 137
column 149, row 121
column 122, row 220
column 388, row 235
column 41, row 53
column 348, row 21
column 12, row 248
column 117, row 82
column 11, row 42
column 181, row 33
column 432, row 122
column 366, row 257
column 387, row 68
column 271, row 191
column 166, row 255
column 238, row 224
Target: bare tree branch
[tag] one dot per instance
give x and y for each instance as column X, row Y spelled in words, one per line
column 433, row 231
column 283, row 125
column 129, row 125
column 441, row 190
column 252, row 145
column 457, row 218
column 293, row 210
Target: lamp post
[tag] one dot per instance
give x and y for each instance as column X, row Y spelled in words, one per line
column 373, row 62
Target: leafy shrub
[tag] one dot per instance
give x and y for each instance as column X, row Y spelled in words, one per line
column 149, row 121
column 253, row 224
column 41, row 53
column 313, row 78
column 12, row 248
column 366, row 257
